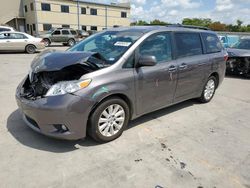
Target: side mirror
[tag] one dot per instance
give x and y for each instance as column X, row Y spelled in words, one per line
column 146, row 60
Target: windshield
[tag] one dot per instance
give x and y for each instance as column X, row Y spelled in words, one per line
column 242, row 44
column 111, row 45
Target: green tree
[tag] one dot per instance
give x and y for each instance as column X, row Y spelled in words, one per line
column 139, row 22
column 157, row 22
column 205, row 22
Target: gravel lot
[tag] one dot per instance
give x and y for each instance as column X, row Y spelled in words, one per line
column 187, row 145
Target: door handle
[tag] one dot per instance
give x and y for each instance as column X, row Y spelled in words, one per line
column 172, row 68
column 7, row 41
column 183, row 66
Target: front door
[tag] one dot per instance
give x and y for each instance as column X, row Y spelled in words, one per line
column 56, row 36
column 155, row 85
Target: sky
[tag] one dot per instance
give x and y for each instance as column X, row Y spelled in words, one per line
column 173, row 11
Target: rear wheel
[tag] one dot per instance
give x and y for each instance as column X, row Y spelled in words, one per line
column 108, row 120
column 209, row 90
column 30, row 49
column 71, row 42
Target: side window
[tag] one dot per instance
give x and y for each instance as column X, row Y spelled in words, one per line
column 19, row 36
column 4, row 29
column 73, row 32
column 212, row 43
column 130, row 62
column 65, row 32
column 188, row 44
column 158, row 45
column 57, row 32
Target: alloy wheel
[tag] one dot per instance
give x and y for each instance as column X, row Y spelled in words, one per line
column 111, row 120
column 209, row 89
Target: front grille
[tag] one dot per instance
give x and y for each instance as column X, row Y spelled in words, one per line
column 32, row 121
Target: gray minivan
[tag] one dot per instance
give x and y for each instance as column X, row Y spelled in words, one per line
column 114, row 76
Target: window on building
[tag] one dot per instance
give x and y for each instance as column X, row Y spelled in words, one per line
column 124, row 14
column 212, row 43
column 64, row 8
column 65, row 26
column 65, row 32
column 45, row 6
column 93, row 11
column 25, row 8
column 47, row 27
column 27, row 27
column 188, row 44
column 31, row 6
column 158, row 45
column 34, row 27
column 83, row 10
column 93, row 28
column 84, row 27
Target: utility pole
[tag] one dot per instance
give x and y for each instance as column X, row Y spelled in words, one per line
column 78, row 15
column 106, row 17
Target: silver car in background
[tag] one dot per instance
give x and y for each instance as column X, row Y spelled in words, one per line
column 18, row 41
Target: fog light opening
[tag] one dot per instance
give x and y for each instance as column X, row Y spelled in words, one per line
column 61, row 128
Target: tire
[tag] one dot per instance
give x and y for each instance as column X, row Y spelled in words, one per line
column 104, row 125
column 71, row 42
column 30, row 49
column 46, row 42
column 208, row 90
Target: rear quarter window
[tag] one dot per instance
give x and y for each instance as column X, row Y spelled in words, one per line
column 73, row 32
column 188, row 44
column 212, row 43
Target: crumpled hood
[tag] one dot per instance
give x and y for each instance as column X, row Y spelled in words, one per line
column 233, row 52
column 53, row 60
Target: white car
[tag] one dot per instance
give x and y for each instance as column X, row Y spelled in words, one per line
column 17, row 41
column 6, row 28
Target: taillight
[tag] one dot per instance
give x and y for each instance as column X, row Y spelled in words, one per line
column 225, row 57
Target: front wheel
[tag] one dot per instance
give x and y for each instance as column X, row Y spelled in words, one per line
column 30, row 49
column 108, row 120
column 209, row 90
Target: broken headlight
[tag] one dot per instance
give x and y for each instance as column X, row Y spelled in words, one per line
column 67, row 87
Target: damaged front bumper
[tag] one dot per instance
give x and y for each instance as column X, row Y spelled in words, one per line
column 63, row 117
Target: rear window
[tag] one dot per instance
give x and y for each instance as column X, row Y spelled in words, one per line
column 188, row 44
column 212, row 43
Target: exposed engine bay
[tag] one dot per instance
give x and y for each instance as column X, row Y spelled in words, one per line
column 47, row 70
column 239, row 65
column 238, row 62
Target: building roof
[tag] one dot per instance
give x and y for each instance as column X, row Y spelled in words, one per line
column 119, row 5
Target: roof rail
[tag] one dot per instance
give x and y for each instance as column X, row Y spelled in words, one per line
column 188, row 26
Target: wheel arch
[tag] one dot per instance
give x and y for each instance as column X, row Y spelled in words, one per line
column 216, row 75
column 120, row 95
